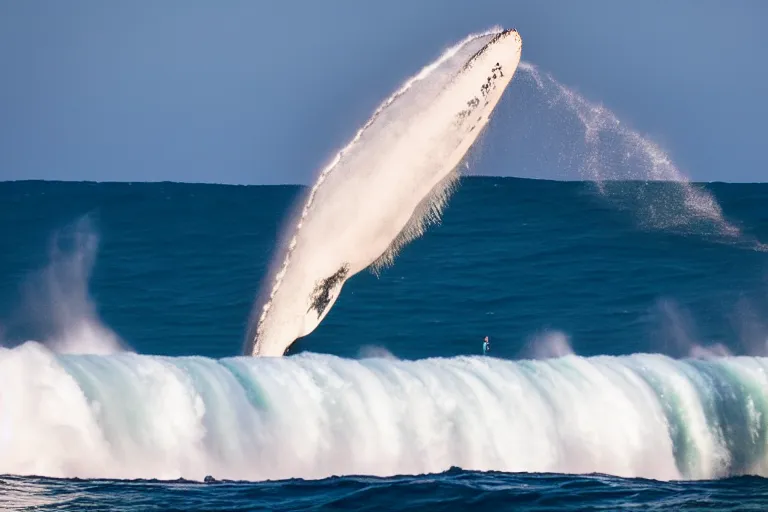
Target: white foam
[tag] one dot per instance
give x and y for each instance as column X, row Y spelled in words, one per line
column 385, row 186
column 313, row 416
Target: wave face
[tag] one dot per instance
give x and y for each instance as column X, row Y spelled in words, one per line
column 386, row 186
column 312, row 416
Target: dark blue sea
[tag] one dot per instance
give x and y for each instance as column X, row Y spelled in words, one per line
column 628, row 329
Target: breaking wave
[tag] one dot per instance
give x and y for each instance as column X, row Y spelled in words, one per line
column 310, row 416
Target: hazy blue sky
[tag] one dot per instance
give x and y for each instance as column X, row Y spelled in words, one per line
column 265, row 91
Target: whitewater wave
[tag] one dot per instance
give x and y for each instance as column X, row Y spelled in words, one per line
column 383, row 188
column 311, row 416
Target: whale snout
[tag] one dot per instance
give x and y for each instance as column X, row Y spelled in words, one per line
column 511, row 34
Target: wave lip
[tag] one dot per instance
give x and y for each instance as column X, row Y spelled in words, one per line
column 312, row 416
column 386, row 186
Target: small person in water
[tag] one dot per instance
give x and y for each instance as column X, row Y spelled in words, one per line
column 486, row 345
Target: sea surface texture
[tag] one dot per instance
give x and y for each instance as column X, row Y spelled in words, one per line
column 628, row 327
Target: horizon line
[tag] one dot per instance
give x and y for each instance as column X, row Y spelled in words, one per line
column 463, row 177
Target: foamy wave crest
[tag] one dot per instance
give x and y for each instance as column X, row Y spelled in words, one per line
column 129, row 416
column 385, row 187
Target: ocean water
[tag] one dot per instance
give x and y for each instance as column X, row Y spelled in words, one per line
column 627, row 364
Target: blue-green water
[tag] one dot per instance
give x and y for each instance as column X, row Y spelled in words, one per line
column 392, row 384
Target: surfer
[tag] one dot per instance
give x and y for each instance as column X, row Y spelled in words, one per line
column 486, row 345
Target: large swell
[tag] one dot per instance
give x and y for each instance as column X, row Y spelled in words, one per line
column 312, row 416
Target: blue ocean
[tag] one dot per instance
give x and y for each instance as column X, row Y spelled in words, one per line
column 627, row 366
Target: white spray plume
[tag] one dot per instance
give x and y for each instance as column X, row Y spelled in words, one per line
column 57, row 300
column 614, row 153
column 548, row 345
column 676, row 334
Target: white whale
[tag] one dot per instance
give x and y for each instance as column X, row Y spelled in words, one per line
column 384, row 187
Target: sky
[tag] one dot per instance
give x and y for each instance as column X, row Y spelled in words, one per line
column 250, row 92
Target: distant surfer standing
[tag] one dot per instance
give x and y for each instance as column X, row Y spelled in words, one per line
column 486, row 345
